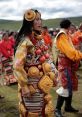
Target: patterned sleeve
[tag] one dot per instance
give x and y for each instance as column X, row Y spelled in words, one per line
column 18, row 64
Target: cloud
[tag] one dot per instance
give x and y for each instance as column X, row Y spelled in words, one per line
column 14, row 9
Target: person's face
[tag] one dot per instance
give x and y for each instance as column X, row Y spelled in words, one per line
column 72, row 29
column 5, row 37
column 37, row 25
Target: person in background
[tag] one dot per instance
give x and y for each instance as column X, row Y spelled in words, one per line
column 1, row 83
column 80, row 36
column 74, row 34
column 77, row 38
column 6, row 52
column 67, row 59
column 46, row 36
column 73, row 29
column 12, row 40
column 56, row 32
column 32, row 70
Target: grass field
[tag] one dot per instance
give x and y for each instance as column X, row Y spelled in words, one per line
column 51, row 23
column 9, row 105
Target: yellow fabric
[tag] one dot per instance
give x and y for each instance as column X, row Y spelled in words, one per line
column 64, row 45
column 19, row 61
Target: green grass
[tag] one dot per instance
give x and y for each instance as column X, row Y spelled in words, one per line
column 9, row 105
column 51, row 23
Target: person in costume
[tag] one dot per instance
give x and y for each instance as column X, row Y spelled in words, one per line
column 32, row 69
column 77, row 37
column 67, row 60
column 6, row 61
column 47, row 37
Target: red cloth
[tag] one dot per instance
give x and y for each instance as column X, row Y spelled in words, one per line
column 67, row 72
column 47, row 39
column 77, row 38
column 6, row 48
column 12, row 40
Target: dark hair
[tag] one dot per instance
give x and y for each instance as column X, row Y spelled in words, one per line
column 45, row 27
column 65, row 23
column 11, row 33
column 26, row 29
column 4, row 34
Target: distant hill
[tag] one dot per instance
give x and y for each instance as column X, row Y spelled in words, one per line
column 54, row 23
column 10, row 25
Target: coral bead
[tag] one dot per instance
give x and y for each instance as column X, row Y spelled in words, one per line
column 38, row 51
column 46, row 48
column 42, row 58
column 47, row 56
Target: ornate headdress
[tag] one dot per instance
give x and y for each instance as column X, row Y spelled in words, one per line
column 30, row 15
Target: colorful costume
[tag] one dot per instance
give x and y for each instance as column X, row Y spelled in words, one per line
column 77, row 39
column 47, row 39
column 6, row 52
column 67, row 61
column 34, row 73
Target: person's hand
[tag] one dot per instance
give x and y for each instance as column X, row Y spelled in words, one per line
column 25, row 92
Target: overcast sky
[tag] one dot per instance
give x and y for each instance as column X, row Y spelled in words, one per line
column 14, row 9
